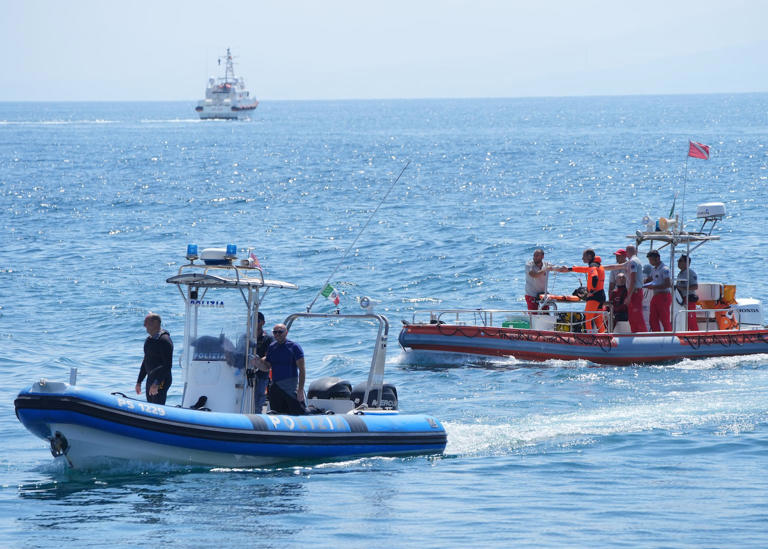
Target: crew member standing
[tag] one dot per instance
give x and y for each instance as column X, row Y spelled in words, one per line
column 660, row 281
column 286, row 360
column 536, row 278
column 686, row 285
column 635, row 291
column 158, row 358
column 263, row 341
column 595, row 288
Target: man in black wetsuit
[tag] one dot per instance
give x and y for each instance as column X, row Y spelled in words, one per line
column 158, row 357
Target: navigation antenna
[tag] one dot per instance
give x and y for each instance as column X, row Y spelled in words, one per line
column 341, row 261
column 229, row 67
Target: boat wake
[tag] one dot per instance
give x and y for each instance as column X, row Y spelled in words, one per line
column 723, row 412
column 435, row 360
column 173, row 121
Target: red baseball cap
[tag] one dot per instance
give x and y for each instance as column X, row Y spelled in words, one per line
column 620, row 251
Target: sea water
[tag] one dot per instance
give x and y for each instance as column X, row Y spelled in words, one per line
column 99, row 201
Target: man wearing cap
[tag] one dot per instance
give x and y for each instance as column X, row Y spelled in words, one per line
column 686, row 284
column 614, row 270
column 660, row 281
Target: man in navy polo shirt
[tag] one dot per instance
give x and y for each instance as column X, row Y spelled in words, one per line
column 286, row 360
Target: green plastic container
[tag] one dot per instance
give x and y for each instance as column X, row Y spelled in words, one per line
column 524, row 324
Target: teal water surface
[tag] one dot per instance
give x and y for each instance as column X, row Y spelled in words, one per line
column 100, row 199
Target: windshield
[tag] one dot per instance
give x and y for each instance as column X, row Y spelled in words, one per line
column 218, row 330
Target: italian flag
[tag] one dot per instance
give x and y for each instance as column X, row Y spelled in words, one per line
column 331, row 293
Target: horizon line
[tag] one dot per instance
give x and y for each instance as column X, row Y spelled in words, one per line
column 444, row 98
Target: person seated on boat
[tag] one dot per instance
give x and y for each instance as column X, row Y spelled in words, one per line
column 286, row 361
column 613, row 270
column 619, row 298
column 262, row 343
column 660, row 282
column 158, row 359
column 686, row 285
column 536, row 279
column 595, row 284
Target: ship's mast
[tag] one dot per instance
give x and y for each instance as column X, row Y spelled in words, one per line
column 229, row 68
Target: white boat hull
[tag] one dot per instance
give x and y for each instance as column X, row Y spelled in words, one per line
column 223, row 113
column 89, row 447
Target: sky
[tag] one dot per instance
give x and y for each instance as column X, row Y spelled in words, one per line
column 87, row 50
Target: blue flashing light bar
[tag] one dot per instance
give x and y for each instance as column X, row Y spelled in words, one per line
column 231, row 251
column 192, row 252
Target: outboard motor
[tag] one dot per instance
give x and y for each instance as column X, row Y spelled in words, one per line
column 330, row 388
column 749, row 311
column 388, row 399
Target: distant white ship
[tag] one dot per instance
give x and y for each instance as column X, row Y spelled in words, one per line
column 226, row 97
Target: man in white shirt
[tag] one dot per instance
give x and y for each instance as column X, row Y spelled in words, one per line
column 660, row 282
column 635, row 291
column 536, row 279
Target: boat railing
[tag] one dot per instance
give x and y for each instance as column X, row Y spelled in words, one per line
column 707, row 319
column 474, row 317
column 375, row 382
column 544, row 319
column 554, row 319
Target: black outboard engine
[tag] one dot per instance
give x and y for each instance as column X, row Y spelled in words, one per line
column 330, row 388
column 388, row 400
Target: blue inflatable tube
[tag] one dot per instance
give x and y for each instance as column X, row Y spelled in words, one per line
column 86, row 425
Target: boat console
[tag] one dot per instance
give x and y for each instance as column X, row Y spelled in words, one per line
column 222, row 296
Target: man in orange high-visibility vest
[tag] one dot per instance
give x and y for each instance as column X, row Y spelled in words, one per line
column 595, row 288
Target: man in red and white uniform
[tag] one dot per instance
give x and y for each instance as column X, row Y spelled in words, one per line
column 660, row 281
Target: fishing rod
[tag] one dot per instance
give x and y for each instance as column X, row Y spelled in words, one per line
column 341, row 261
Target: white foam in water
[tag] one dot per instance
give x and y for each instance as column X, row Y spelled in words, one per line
column 731, row 410
column 440, row 358
column 432, row 358
column 725, row 362
column 176, row 121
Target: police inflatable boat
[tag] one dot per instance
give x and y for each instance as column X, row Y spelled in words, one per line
column 216, row 424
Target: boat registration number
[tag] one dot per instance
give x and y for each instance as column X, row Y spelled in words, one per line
column 143, row 406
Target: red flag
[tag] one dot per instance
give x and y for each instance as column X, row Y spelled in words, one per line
column 254, row 261
column 698, row 150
